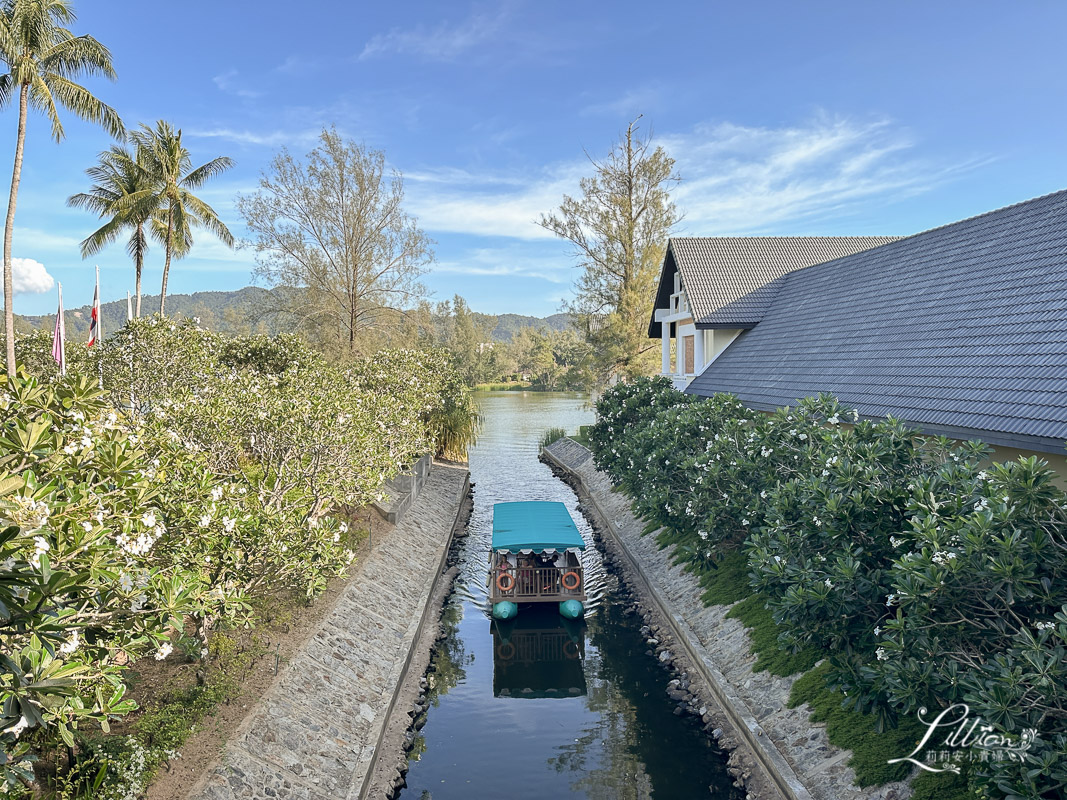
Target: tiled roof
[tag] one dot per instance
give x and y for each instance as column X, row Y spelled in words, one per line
column 729, row 281
column 960, row 330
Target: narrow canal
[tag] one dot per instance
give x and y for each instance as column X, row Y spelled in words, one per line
column 539, row 709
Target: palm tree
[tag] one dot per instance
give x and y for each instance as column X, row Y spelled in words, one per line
column 174, row 209
column 115, row 178
column 42, row 57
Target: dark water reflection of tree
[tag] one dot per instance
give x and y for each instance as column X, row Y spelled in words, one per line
column 448, row 662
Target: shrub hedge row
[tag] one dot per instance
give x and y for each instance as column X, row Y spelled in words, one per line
column 930, row 574
column 136, row 519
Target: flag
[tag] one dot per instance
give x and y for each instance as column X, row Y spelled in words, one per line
column 129, row 308
column 59, row 337
column 94, row 317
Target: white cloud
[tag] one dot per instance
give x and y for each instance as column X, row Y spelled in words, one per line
column 258, row 138
column 508, row 262
column 229, row 82
column 736, row 180
column 442, row 42
column 457, row 201
column 636, row 101
column 739, row 179
column 299, row 65
column 30, row 277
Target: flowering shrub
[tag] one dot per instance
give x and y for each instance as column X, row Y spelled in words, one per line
column 930, row 576
column 211, row 472
column 81, row 589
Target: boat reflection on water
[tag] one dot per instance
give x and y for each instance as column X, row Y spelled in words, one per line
column 538, row 655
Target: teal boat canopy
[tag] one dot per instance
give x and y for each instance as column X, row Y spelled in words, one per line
column 535, row 525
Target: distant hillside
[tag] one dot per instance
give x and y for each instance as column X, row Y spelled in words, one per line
column 507, row 325
column 244, row 311
column 228, row 312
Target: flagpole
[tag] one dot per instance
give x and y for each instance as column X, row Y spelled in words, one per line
column 99, row 327
column 59, row 336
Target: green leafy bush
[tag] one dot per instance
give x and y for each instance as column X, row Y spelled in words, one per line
column 211, row 474
column 930, row 576
column 83, row 588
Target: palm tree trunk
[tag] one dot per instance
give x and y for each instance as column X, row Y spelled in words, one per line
column 166, row 262
column 9, row 232
column 138, row 264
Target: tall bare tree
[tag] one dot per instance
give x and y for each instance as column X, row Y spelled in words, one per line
column 619, row 228
column 333, row 225
column 42, row 58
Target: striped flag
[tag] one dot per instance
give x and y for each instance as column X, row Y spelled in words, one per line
column 59, row 337
column 94, row 318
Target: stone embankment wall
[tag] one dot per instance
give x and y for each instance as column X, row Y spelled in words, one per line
column 795, row 752
column 316, row 732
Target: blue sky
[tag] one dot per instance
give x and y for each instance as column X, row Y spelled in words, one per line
column 784, row 117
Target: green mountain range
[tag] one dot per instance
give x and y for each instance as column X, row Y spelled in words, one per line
column 246, row 310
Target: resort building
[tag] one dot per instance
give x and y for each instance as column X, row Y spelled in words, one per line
column 959, row 331
column 713, row 288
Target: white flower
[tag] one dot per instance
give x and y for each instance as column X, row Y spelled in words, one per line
column 893, row 540
column 228, row 524
column 1045, row 626
column 829, row 583
column 877, row 630
column 216, row 493
column 803, row 437
column 165, row 650
column 41, row 547
column 138, row 602
column 125, row 582
column 834, row 420
column 148, row 519
column 882, row 654
column 337, row 536
column 8, row 565
column 343, row 527
column 87, row 527
column 70, row 645
column 817, row 521
column 205, row 520
column 70, row 448
column 18, row 727
column 890, row 599
column 744, row 522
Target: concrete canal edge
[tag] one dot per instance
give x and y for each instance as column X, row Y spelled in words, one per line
column 322, row 729
column 792, row 752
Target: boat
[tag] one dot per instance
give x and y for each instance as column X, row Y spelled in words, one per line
column 535, row 558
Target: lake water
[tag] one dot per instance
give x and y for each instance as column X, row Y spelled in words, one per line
column 536, row 708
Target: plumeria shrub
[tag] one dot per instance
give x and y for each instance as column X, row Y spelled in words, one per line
column 83, row 588
column 622, row 411
column 930, row 576
column 211, row 473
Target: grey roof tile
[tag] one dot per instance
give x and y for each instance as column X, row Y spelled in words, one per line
column 730, row 281
column 959, row 330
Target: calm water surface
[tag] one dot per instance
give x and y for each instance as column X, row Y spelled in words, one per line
column 536, row 708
